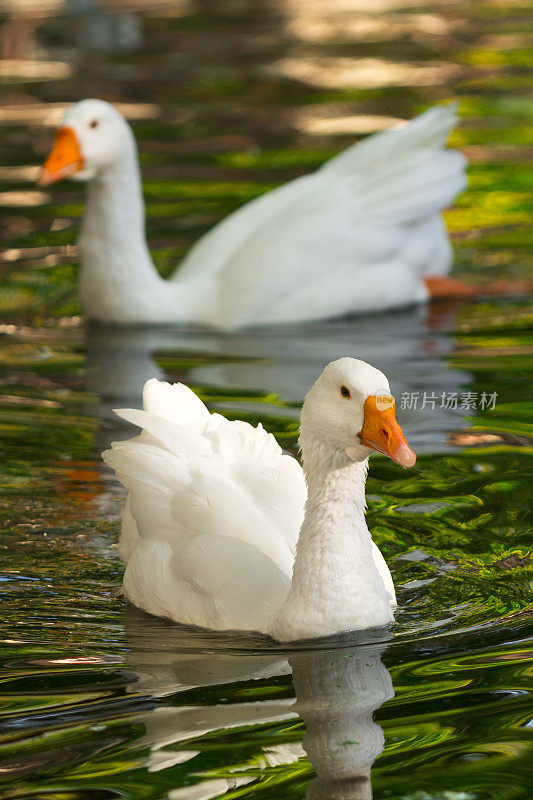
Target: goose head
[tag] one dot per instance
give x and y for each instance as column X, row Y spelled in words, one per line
column 92, row 137
column 349, row 411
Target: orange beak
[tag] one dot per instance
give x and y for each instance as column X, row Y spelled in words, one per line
column 381, row 432
column 65, row 158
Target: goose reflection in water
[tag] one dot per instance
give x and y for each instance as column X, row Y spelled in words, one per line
column 410, row 346
column 337, row 688
column 337, row 692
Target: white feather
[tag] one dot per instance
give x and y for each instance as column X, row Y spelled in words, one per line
column 212, row 516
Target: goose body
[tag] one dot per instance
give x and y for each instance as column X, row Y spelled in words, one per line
column 223, row 530
column 362, row 233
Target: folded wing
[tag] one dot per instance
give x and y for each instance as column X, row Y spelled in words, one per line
column 212, row 517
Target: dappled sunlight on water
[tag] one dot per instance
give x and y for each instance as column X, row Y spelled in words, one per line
column 100, row 701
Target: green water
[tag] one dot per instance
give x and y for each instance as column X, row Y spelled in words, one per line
column 100, row 702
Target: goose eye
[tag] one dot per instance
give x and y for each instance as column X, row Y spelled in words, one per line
column 345, row 392
column 93, row 123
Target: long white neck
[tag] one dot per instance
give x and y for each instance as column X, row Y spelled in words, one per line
column 335, row 583
column 118, row 280
column 117, row 274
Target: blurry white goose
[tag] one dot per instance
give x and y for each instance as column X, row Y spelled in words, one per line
column 219, row 530
column 363, row 233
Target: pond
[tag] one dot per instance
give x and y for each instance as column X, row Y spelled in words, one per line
column 228, row 99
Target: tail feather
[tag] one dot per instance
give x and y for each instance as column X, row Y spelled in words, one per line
column 150, row 475
column 137, row 463
column 175, row 402
column 429, row 130
column 418, row 187
column 178, row 439
column 401, row 176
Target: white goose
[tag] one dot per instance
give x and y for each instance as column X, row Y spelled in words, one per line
column 363, row 233
column 219, row 530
